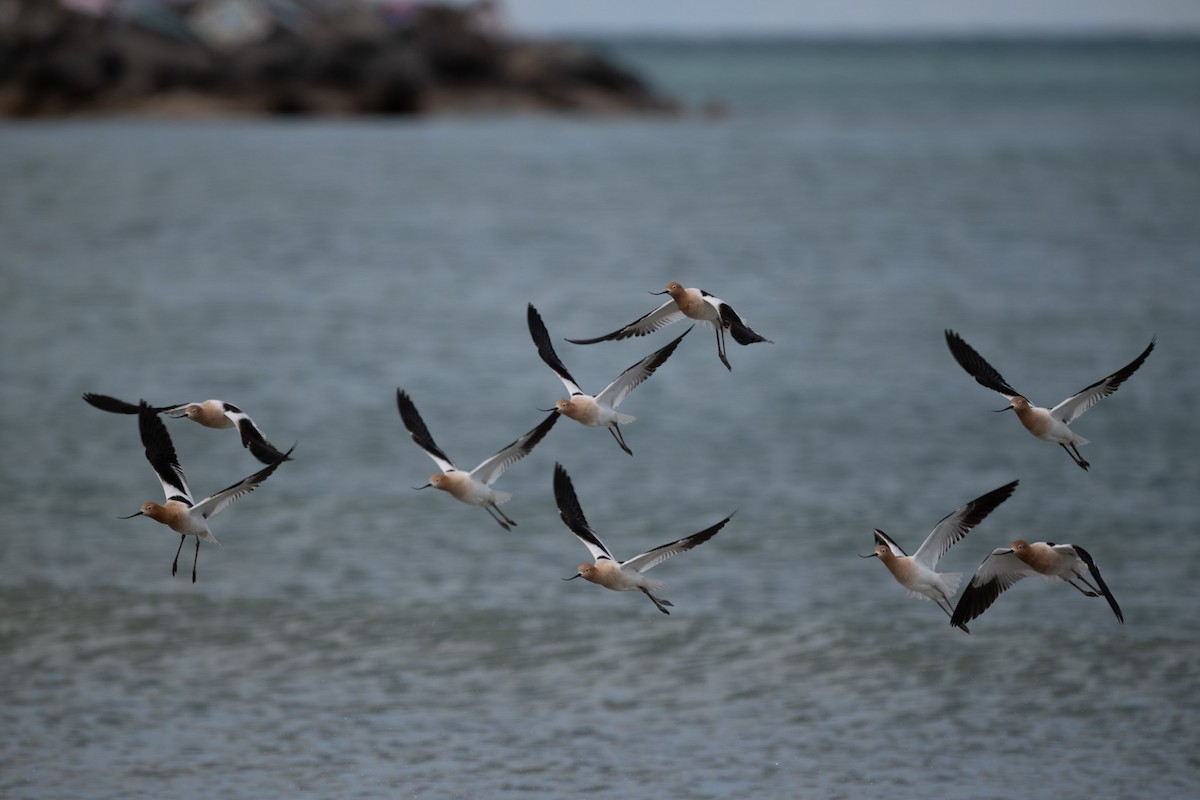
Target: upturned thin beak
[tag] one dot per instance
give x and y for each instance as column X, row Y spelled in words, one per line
column 662, row 292
column 547, row 410
column 426, row 486
column 573, row 577
column 131, row 516
column 873, row 555
column 1002, row 410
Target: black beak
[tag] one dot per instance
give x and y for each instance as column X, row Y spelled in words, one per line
column 426, row 486
column 573, row 577
column 131, row 516
column 547, row 410
column 873, row 555
column 1002, row 410
column 662, row 292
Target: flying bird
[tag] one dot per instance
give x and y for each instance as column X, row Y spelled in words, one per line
column 599, row 411
column 626, row 576
column 210, row 414
column 917, row 573
column 179, row 512
column 1050, row 425
column 694, row 304
column 1005, row 566
column 474, row 487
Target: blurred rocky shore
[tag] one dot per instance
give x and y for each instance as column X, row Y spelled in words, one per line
column 294, row 57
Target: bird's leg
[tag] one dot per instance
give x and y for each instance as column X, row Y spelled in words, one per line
column 492, row 511
column 1083, row 463
column 1083, row 591
column 721, row 345
column 659, row 603
column 195, row 559
column 175, row 563
column 616, row 432
column 504, row 516
column 1073, row 452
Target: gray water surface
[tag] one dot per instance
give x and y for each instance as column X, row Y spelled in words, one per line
column 354, row 638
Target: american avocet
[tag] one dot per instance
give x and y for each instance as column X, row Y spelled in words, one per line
column 474, row 487
column 695, row 304
column 626, row 576
column 179, row 513
column 1007, row 565
column 210, row 414
column 599, row 411
column 1050, row 425
column 917, row 572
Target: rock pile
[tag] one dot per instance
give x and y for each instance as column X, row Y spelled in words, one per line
column 203, row 57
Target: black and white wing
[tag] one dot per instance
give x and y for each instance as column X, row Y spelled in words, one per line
column 1084, row 399
column 1086, row 558
column 955, row 525
column 572, row 515
column 541, row 338
column 214, row 503
column 631, row 378
column 420, row 434
column 740, row 331
column 998, row 572
column 160, row 452
column 887, row 541
column 645, row 561
column 975, row 365
column 494, row 467
column 657, row 319
column 252, row 438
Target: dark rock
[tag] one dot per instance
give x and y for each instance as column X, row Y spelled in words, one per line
column 349, row 58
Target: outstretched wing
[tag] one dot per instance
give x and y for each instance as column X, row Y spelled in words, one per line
column 659, row 318
column 494, row 467
column 115, row 406
column 1086, row 558
column 955, row 525
column 631, row 378
column 645, row 561
column 160, row 452
column 214, row 503
column 252, row 438
column 979, row 369
column 541, row 338
column 1082, row 400
column 420, row 434
column 572, row 515
column 998, row 572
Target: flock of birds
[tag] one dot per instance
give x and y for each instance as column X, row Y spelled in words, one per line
column 917, row 573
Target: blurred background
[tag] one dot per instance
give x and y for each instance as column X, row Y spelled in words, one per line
column 299, row 207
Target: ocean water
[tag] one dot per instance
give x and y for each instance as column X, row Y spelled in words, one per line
column 354, row 638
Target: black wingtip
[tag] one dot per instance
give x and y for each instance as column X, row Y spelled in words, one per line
column 565, row 498
column 110, row 404
column 976, row 366
column 266, row 453
column 1100, row 584
column 561, row 478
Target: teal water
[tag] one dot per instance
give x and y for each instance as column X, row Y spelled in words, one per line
column 354, row 638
